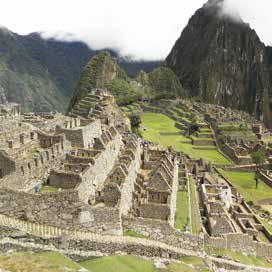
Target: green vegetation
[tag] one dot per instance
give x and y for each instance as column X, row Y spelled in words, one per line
column 120, row 264
column 48, row 189
column 136, row 264
column 124, row 91
column 195, row 216
column 258, row 158
column 42, row 262
column 56, row 262
column 133, row 233
column 241, row 258
column 161, row 83
column 157, row 125
column 245, row 184
column 94, row 75
column 182, row 211
column 266, row 224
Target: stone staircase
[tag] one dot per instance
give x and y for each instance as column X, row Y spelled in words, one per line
column 86, row 106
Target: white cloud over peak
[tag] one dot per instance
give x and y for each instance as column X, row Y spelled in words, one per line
column 142, row 29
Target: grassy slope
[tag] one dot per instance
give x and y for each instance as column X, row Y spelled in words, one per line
column 136, row 264
column 245, row 184
column 182, row 211
column 120, row 264
column 42, row 262
column 195, row 216
column 156, row 123
column 241, row 258
column 133, row 233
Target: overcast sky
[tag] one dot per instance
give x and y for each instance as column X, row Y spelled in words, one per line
column 145, row 29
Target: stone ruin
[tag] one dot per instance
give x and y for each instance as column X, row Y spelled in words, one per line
column 92, row 164
column 227, row 212
column 156, row 186
column 103, row 180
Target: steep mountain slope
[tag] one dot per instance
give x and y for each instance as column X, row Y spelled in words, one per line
column 103, row 71
column 161, row 83
column 42, row 74
column 222, row 60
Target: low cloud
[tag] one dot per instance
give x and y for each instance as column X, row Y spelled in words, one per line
column 139, row 29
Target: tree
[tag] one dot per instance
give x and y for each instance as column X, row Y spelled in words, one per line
column 258, row 158
column 194, row 127
column 135, row 120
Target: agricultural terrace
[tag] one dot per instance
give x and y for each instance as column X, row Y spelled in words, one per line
column 161, row 130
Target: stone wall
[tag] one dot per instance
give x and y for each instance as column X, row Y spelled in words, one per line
column 154, row 210
column 173, row 201
column 128, row 185
column 230, row 152
column 64, row 180
column 83, row 137
column 203, row 142
column 7, row 166
column 239, row 242
column 97, row 173
column 162, row 231
column 266, row 179
column 51, row 208
column 61, row 209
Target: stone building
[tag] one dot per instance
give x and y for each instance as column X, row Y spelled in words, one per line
column 156, row 186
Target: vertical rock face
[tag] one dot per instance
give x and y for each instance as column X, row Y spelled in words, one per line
column 222, row 60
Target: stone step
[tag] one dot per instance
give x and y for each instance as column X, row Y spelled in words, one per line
column 85, row 103
column 91, row 99
column 92, row 96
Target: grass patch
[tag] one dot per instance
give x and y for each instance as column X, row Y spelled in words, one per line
column 156, row 123
column 42, row 262
column 245, row 184
column 182, row 211
column 49, row 189
column 195, row 216
column 241, row 258
column 133, row 233
column 120, row 264
column 266, row 224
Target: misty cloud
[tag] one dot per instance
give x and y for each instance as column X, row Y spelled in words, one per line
column 141, row 29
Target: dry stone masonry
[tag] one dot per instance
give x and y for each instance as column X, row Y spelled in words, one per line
column 77, row 183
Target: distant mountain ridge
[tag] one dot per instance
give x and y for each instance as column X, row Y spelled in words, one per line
column 221, row 60
column 42, row 74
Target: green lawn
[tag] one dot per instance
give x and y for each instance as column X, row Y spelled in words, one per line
column 120, row 264
column 156, row 123
column 136, row 264
column 42, row 262
column 245, row 184
column 49, row 189
column 195, row 215
column 133, row 233
column 56, row 262
column 182, row 211
column 241, row 258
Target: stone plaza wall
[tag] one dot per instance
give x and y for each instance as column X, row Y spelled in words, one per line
column 239, row 242
column 61, row 209
column 97, row 173
column 50, row 208
column 128, row 185
column 83, row 137
column 64, row 180
column 7, row 165
column 173, row 201
column 162, row 231
column 230, row 152
column 266, row 179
